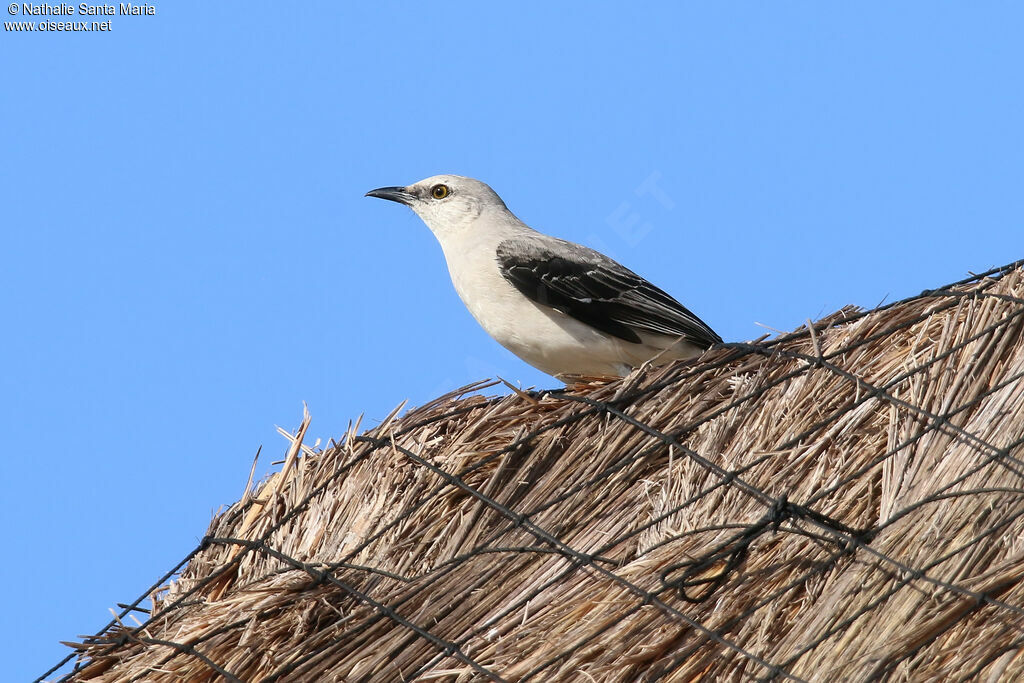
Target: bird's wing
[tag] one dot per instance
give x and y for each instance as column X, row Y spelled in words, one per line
column 596, row 290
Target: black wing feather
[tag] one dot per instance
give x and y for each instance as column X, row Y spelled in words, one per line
column 595, row 290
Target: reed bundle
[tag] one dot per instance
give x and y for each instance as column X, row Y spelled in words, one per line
column 845, row 502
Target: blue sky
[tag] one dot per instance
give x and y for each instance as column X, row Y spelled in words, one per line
column 188, row 256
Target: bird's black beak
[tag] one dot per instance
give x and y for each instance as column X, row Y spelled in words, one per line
column 395, row 194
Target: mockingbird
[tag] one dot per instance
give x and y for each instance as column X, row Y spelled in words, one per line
column 561, row 307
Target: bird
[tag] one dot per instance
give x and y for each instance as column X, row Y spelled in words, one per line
column 566, row 309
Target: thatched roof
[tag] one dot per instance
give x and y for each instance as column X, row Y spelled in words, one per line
column 843, row 503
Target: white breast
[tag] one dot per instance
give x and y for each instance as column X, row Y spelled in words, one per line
column 543, row 337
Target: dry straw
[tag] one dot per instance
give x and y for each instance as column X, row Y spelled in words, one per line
column 843, row 503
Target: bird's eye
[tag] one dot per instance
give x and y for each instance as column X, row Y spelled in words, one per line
column 439, row 191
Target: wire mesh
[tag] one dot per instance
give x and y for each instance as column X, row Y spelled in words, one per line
column 692, row 580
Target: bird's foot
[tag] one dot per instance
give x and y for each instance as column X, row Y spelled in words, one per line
column 582, row 383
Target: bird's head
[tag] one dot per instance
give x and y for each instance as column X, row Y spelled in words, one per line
column 448, row 204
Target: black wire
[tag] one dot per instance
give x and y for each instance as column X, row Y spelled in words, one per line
column 729, row 555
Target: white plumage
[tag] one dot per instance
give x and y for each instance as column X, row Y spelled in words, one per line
column 561, row 307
